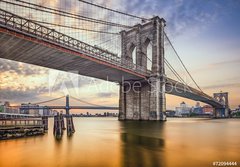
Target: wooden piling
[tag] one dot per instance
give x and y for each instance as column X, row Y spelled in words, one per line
column 62, row 121
column 70, row 125
column 57, row 128
column 45, row 122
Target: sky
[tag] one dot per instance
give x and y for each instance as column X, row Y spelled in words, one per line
column 206, row 35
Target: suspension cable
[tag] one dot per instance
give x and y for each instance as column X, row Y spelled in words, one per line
column 174, row 72
column 171, row 68
column 182, row 61
column 65, row 14
column 86, row 102
column 42, row 102
column 77, row 28
column 112, row 10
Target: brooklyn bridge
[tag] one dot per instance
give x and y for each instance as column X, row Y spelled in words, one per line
column 135, row 52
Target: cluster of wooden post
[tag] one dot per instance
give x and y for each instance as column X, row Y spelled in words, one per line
column 59, row 125
column 40, row 123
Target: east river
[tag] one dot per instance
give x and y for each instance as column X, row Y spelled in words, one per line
column 106, row 142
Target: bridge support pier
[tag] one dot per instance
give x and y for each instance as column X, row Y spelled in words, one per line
column 221, row 112
column 145, row 99
column 142, row 100
column 221, row 97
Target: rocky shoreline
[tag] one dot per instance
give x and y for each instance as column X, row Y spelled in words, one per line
column 19, row 132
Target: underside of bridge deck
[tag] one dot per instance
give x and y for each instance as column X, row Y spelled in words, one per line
column 22, row 48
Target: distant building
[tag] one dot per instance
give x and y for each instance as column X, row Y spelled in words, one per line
column 197, row 109
column 183, row 110
column 24, row 109
column 207, row 109
column 45, row 112
column 1, row 108
column 198, row 104
column 7, row 104
column 170, row 113
column 6, row 108
column 53, row 112
column 236, row 112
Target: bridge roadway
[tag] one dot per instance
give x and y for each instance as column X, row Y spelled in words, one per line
column 71, row 107
column 26, row 41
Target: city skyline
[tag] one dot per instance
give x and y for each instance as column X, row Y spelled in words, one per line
column 206, row 35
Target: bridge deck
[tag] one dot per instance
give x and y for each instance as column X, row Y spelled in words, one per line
column 70, row 107
column 18, row 47
column 25, row 41
column 178, row 89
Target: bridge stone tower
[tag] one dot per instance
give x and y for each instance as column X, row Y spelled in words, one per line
column 222, row 97
column 145, row 99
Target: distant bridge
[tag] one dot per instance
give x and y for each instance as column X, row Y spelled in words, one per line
column 67, row 107
column 71, row 107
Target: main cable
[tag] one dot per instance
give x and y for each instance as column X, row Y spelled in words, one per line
column 86, row 102
column 112, row 10
column 65, row 14
column 77, row 28
column 175, row 72
column 182, row 62
column 42, row 102
column 170, row 67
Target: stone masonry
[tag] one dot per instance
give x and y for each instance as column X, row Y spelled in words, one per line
column 145, row 99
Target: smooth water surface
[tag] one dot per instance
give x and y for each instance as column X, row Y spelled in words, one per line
column 104, row 142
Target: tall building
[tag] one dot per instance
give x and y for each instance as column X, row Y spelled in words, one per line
column 183, row 110
column 198, row 104
column 197, row 109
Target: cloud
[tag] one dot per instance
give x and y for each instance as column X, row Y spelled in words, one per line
column 230, row 62
column 20, row 68
column 181, row 15
column 221, row 86
column 106, row 94
column 21, row 95
column 21, row 82
column 68, row 83
column 28, row 93
column 217, row 65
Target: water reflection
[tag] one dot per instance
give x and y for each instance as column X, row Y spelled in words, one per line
column 106, row 142
column 142, row 141
column 142, row 144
